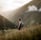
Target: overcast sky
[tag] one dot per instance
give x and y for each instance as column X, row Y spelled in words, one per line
column 6, row 5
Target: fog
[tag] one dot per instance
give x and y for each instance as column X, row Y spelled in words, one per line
column 8, row 7
column 32, row 8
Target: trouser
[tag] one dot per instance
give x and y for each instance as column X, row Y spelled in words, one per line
column 20, row 26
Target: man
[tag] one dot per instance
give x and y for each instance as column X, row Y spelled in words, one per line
column 20, row 23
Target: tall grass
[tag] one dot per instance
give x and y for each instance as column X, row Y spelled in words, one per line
column 27, row 33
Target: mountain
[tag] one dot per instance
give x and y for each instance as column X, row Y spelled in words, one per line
column 5, row 23
column 36, row 3
column 30, row 18
column 26, row 16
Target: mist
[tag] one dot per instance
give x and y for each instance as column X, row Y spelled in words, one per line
column 8, row 7
column 32, row 8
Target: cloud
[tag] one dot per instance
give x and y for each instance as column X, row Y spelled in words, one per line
column 32, row 8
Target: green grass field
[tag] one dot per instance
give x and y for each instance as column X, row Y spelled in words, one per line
column 26, row 33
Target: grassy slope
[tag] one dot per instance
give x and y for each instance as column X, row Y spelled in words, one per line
column 30, row 33
column 29, row 17
column 21, row 11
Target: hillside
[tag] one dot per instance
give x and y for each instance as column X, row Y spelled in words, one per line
column 37, row 3
column 32, row 23
column 5, row 23
column 21, row 11
column 29, row 18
